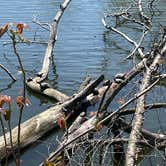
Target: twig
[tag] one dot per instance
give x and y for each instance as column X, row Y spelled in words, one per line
column 147, row 107
column 116, row 87
column 92, row 127
column 36, row 83
column 53, row 31
column 5, row 140
column 138, row 46
column 11, row 139
column 128, row 102
column 136, row 21
column 85, row 83
column 143, row 17
column 42, row 25
column 147, row 135
column 25, row 42
column 124, row 36
column 102, row 99
column 8, row 72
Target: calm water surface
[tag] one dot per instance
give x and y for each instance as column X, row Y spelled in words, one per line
column 83, row 47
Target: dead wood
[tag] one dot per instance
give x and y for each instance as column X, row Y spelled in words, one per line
column 84, row 83
column 45, row 89
column 131, row 155
column 149, row 64
column 153, row 106
column 79, row 120
column 8, row 72
column 89, row 125
column 152, row 139
column 131, row 41
column 36, row 83
column 37, row 126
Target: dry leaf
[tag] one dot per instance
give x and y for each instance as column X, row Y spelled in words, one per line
column 98, row 127
column 61, row 122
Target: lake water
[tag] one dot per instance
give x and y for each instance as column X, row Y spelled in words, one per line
column 83, row 47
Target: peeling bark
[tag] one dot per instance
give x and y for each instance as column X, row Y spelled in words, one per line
column 132, row 152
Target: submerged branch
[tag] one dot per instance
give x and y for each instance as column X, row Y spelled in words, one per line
column 8, row 72
column 36, row 83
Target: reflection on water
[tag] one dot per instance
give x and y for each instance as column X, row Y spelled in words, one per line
column 83, row 46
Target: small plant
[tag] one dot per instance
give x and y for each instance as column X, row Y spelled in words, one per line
column 14, row 31
column 5, row 115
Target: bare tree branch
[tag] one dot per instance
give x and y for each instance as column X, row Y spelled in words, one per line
column 43, row 25
column 131, row 155
column 124, row 36
column 35, row 83
column 8, row 72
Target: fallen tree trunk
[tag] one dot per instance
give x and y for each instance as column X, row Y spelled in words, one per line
column 37, row 126
column 131, row 155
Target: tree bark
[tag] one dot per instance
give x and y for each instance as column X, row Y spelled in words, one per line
column 35, row 83
column 132, row 152
column 37, row 126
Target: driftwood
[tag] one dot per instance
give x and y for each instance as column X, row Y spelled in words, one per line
column 153, row 139
column 36, row 84
column 8, row 72
column 131, row 155
column 91, row 124
column 36, row 127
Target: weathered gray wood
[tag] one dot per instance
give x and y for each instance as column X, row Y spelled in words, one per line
column 53, row 31
column 89, row 125
column 32, row 129
column 44, row 89
column 85, row 83
column 114, row 89
column 80, row 119
column 147, row 107
column 37, row 126
column 131, row 155
column 35, row 83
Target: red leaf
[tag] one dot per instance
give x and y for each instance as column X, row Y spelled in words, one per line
column 21, row 101
column 20, row 27
column 61, row 122
column 5, row 99
column 3, row 29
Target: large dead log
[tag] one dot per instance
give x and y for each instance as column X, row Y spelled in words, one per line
column 36, row 127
